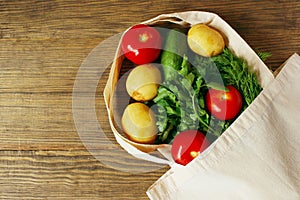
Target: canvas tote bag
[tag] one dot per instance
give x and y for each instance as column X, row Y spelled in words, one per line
column 234, row 42
column 257, row 158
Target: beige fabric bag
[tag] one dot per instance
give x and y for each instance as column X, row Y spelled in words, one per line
column 257, row 158
column 233, row 41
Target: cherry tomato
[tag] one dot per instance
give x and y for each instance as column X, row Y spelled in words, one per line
column 224, row 105
column 187, row 145
column 141, row 44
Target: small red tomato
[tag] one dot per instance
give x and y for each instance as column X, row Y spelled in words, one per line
column 224, row 105
column 141, row 44
column 187, row 145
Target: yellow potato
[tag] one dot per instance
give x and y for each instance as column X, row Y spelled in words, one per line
column 205, row 40
column 139, row 123
column 143, row 81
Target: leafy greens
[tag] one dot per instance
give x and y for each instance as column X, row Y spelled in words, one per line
column 180, row 103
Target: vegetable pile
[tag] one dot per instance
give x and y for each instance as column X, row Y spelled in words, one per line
column 192, row 93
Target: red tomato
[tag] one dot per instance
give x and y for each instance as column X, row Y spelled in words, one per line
column 224, row 105
column 187, row 145
column 141, row 44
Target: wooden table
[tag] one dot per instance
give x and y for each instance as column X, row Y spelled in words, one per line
column 42, row 46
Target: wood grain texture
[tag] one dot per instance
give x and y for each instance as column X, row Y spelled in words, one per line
column 42, row 45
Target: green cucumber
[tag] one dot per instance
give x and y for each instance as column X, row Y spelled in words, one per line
column 173, row 52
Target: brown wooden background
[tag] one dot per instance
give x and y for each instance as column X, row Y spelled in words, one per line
column 42, row 45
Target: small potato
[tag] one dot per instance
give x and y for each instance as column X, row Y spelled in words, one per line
column 143, row 81
column 139, row 123
column 205, row 40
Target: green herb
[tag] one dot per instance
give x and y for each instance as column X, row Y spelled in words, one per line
column 264, row 55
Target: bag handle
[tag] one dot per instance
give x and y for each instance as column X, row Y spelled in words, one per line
column 184, row 18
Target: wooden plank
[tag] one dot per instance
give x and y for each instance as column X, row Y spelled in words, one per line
column 67, row 175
